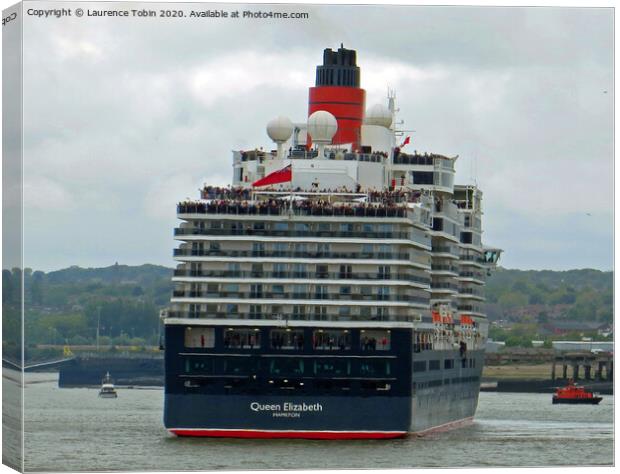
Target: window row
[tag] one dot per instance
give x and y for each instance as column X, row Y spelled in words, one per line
column 300, row 291
column 287, row 367
column 288, row 339
column 299, row 226
column 422, row 366
column 296, row 312
column 439, row 382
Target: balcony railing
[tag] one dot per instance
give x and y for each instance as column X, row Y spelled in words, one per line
column 301, row 275
column 305, row 317
column 472, row 291
column 472, row 258
column 283, row 207
column 292, row 233
column 445, row 249
column 444, row 286
column 445, row 268
column 291, row 254
column 476, row 275
column 300, row 296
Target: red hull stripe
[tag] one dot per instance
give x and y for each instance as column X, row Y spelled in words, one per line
column 288, row 434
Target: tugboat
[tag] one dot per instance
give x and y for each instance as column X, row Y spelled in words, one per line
column 575, row 394
column 107, row 387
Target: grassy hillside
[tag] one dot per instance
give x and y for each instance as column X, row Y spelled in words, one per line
column 65, row 306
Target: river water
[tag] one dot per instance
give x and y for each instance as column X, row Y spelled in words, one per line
column 75, row 430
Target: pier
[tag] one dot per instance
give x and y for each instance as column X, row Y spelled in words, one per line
column 594, row 366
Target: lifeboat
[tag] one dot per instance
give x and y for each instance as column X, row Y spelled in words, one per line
column 575, row 394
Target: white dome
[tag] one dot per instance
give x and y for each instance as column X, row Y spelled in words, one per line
column 380, row 115
column 280, row 129
column 322, row 126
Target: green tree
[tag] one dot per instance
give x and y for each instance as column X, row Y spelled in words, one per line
column 36, row 287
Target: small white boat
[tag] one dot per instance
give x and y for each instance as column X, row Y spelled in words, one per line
column 107, row 387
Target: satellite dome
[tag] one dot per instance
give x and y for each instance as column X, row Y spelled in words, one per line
column 379, row 115
column 322, row 126
column 280, row 129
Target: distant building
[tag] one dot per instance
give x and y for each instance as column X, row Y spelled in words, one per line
column 567, row 346
column 494, row 346
column 559, row 328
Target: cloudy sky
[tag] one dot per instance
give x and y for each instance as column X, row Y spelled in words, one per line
column 124, row 117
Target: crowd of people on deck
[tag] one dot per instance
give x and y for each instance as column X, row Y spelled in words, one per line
column 320, row 207
column 239, row 193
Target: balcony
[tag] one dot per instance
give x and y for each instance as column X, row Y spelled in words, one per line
column 267, row 295
column 302, row 275
column 307, row 317
column 188, row 252
column 285, row 207
column 183, row 231
column 480, row 276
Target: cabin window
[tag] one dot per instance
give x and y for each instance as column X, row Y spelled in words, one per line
column 331, row 339
column 322, row 249
column 419, row 366
column 433, row 365
column 448, row 364
column 280, row 249
column 299, row 312
column 279, row 270
column 238, row 365
column 375, row 340
column 346, row 272
column 285, row 366
column 199, row 337
column 199, row 365
column 256, row 311
column 299, row 269
column 242, row 338
column 320, row 292
column 332, row 367
column 466, row 237
column 320, row 313
column 286, row 339
column 234, row 269
column 322, row 271
column 233, row 288
column 344, row 313
column 422, row 177
column 375, row 368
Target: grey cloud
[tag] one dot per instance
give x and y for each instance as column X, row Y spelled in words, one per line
column 114, row 124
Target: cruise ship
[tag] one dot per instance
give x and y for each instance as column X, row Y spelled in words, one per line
column 336, row 289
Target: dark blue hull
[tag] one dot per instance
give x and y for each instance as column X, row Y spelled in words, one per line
column 410, row 391
column 204, row 413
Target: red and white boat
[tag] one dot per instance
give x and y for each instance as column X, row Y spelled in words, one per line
column 575, row 394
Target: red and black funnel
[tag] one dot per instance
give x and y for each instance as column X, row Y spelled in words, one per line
column 338, row 92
